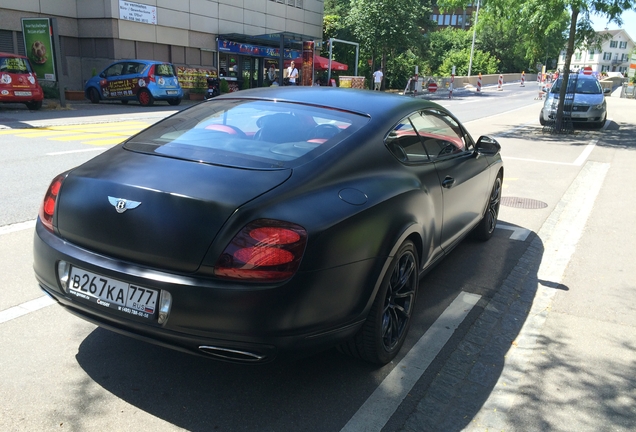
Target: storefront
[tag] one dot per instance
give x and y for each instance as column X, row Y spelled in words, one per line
column 247, row 61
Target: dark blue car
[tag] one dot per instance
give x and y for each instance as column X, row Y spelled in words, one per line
column 145, row 81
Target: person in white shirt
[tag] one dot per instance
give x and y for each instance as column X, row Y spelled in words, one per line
column 292, row 74
column 377, row 79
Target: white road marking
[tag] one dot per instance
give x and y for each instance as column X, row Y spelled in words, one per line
column 8, row 229
column 586, row 153
column 380, row 406
column 518, row 233
column 76, row 151
column 25, row 308
column 578, row 162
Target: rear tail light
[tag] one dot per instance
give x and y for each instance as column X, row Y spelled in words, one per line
column 263, row 251
column 47, row 209
column 151, row 73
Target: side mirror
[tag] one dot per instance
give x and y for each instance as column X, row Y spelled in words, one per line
column 487, row 146
column 102, row 75
column 607, row 91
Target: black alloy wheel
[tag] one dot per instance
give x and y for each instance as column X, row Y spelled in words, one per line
column 387, row 325
column 486, row 227
column 93, row 95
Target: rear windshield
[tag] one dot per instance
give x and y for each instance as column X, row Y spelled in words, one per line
column 164, row 69
column 14, row 65
column 256, row 134
column 580, row 86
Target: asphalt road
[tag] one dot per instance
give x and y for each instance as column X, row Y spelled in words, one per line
column 62, row 373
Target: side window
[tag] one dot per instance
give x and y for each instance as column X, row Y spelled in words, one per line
column 405, row 144
column 131, row 68
column 114, row 70
column 441, row 134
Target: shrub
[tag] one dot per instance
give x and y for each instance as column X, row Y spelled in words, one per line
column 224, row 86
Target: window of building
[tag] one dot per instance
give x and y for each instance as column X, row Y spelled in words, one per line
column 613, row 44
column 607, row 56
column 591, row 56
column 578, row 55
column 434, row 18
column 440, row 20
column 454, row 20
column 623, row 45
column 604, row 68
column 460, row 20
column 447, row 19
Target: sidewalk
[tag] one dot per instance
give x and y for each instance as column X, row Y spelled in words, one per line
column 555, row 348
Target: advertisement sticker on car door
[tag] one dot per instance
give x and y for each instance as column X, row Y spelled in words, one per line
column 122, row 87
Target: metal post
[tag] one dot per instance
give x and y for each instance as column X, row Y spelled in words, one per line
column 472, row 48
column 58, row 62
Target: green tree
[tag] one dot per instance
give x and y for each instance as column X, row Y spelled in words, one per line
column 540, row 15
column 483, row 63
column 439, row 44
column 389, row 26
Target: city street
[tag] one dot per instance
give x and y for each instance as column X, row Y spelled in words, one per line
column 534, row 330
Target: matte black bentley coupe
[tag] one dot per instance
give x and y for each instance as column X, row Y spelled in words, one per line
column 268, row 222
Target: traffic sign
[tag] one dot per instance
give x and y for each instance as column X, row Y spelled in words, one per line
column 587, row 70
column 432, row 87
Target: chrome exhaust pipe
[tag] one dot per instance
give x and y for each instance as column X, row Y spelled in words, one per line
column 232, row 354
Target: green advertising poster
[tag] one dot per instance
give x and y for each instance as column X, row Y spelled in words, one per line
column 39, row 46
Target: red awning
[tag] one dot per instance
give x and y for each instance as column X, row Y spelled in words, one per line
column 321, row 63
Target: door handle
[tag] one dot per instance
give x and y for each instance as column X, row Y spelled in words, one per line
column 448, row 182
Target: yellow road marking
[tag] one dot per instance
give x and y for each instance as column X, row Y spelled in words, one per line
column 93, row 134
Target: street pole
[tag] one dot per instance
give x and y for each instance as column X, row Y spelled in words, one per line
column 472, row 47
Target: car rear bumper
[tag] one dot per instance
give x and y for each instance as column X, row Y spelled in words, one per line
column 246, row 323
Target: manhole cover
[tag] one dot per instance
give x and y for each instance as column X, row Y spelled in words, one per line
column 524, row 203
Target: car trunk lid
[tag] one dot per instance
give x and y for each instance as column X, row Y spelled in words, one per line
column 152, row 210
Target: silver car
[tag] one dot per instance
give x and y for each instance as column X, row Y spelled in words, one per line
column 584, row 101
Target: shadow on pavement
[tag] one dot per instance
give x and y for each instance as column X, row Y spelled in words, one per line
column 322, row 392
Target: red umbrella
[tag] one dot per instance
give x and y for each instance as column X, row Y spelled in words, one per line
column 321, row 63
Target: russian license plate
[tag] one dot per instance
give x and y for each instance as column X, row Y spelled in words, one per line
column 172, row 92
column 22, row 93
column 113, row 294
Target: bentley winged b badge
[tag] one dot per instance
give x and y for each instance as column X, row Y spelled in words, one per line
column 121, row 205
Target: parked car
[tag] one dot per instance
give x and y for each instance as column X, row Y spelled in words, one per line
column 269, row 222
column 584, row 103
column 18, row 81
column 145, row 81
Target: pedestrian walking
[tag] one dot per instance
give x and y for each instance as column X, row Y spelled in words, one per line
column 377, row 79
column 292, row 74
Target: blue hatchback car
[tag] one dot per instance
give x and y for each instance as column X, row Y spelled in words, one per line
column 146, row 81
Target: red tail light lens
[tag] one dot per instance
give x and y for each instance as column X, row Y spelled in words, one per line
column 151, row 73
column 47, row 209
column 264, row 251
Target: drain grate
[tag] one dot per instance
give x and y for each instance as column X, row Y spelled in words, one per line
column 524, row 203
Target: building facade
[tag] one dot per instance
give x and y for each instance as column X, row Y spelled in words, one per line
column 241, row 36
column 613, row 56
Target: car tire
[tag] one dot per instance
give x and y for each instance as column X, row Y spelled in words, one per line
column 174, row 101
column 34, row 105
column 145, row 98
column 124, row 101
column 388, row 322
column 483, row 231
column 542, row 122
column 93, row 95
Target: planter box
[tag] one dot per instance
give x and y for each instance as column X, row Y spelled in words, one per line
column 196, row 96
column 74, row 95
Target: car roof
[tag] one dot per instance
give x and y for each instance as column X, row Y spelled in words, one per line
column 4, row 54
column 141, row 61
column 365, row 102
